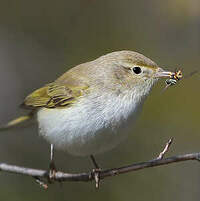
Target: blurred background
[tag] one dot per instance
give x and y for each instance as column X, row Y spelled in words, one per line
column 40, row 40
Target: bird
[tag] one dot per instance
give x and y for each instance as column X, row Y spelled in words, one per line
column 86, row 110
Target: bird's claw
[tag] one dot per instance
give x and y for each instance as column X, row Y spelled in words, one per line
column 96, row 175
column 52, row 171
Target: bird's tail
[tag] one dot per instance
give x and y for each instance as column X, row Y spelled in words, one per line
column 18, row 121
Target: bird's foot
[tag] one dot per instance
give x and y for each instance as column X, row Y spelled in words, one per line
column 52, row 166
column 96, row 175
column 52, row 171
column 96, row 172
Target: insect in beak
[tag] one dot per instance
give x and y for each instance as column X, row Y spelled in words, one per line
column 178, row 75
column 175, row 77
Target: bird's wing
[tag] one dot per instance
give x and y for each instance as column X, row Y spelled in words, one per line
column 54, row 95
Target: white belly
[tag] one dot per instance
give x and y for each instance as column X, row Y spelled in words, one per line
column 88, row 127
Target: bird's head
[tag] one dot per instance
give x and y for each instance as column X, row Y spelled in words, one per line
column 128, row 70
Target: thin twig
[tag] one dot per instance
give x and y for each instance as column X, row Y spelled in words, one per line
column 165, row 150
column 94, row 162
column 41, row 183
column 84, row 177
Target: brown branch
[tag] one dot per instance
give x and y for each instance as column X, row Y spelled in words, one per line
column 61, row 176
column 98, row 174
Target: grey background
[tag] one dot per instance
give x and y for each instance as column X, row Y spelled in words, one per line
column 40, row 40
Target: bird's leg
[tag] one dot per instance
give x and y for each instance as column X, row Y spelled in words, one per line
column 52, row 167
column 96, row 172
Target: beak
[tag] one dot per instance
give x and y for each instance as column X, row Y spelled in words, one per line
column 164, row 74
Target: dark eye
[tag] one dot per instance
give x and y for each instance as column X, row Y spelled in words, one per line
column 137, row 70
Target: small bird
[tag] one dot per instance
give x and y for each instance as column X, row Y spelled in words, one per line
column 85, row 110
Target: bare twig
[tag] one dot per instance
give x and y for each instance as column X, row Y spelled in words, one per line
column 84, row 177
column 94, row 162
column 41, row 183
column 165, row 150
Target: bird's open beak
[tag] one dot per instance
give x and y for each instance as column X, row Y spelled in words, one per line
column 163, row 74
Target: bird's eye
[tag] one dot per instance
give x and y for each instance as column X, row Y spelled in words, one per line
column 137, row 70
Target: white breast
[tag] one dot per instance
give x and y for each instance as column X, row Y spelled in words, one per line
column 92, row 125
